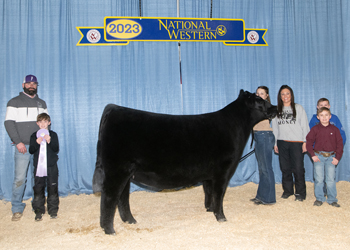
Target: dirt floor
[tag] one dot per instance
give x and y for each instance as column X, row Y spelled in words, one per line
column 178, row 220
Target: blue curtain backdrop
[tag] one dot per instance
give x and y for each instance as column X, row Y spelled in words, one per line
column 308, row 50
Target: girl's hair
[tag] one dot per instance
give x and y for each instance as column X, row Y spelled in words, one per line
column 266, row 91
column 280, row 103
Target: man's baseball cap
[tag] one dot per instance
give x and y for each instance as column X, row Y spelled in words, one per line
column 30, row 78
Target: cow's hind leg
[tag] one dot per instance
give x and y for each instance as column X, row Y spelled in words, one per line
column 107, row 212
column 113, row 188
column 208, row 192
column 124, row 205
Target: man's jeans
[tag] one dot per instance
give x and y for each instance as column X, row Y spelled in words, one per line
column 264, row 141
column 22, row 161
column 324, row 171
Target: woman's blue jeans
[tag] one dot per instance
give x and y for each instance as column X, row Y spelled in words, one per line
column 324, row 171
column 264, row 142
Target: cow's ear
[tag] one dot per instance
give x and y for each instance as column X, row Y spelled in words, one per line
column 241, row 93
column 250, row 100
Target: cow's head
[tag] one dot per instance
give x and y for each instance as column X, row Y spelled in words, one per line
column 260, row 108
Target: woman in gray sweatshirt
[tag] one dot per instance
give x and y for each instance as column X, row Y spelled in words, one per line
column 290, row 128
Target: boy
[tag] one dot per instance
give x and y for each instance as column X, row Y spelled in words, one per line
column 44, row 146
column 325, row 145
column 324, row 102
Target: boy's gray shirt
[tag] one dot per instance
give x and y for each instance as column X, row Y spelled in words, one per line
column 289, row 128
column 21, row 114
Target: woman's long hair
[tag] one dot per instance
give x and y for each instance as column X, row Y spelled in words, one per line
column 280, row 103
column 266, row 91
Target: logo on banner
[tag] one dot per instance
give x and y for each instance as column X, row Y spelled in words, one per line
column 93, row 36
column 221, row 30
column 122, row 30
column 253, row 37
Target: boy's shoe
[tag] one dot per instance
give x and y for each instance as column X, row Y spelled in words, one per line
column 16, row 216
column 334, row 204
column 53, row 216
column 298, row 198
column 318, row 203
column 38, row 217
column 254, row 200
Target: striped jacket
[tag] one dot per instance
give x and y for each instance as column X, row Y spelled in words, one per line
column 21, row 113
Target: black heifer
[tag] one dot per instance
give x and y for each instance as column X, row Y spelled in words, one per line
column 170, row 151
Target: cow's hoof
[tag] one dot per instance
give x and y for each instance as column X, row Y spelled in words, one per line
column 109, row 231
column 222, row 220
column 131, row 221
column 113, row 234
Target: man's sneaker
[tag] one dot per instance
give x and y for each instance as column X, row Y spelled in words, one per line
column 53, row 216
column 16, row 216
column 38, row 217
column 334, row 204
column 318, row 203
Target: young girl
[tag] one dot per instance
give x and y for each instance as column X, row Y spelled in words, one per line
column 290, row 128
column 264, row 142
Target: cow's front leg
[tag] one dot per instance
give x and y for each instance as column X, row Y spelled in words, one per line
column 208, row 192
column 218, row 198
column 124, row 206
column 108, row 207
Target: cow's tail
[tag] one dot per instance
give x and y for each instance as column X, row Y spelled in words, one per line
column 99, row 174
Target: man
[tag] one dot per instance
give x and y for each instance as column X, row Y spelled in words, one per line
column 20, row 124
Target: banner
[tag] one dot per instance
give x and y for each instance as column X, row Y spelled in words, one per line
column 122, row 30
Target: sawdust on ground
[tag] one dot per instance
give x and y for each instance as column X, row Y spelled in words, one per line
column 178, row 220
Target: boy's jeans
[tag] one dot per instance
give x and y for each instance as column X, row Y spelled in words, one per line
column 324, row 170
column 264, row 141
column 22, row 161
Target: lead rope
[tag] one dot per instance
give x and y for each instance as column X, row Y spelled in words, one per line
column 251, row 152
column 247, row 155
